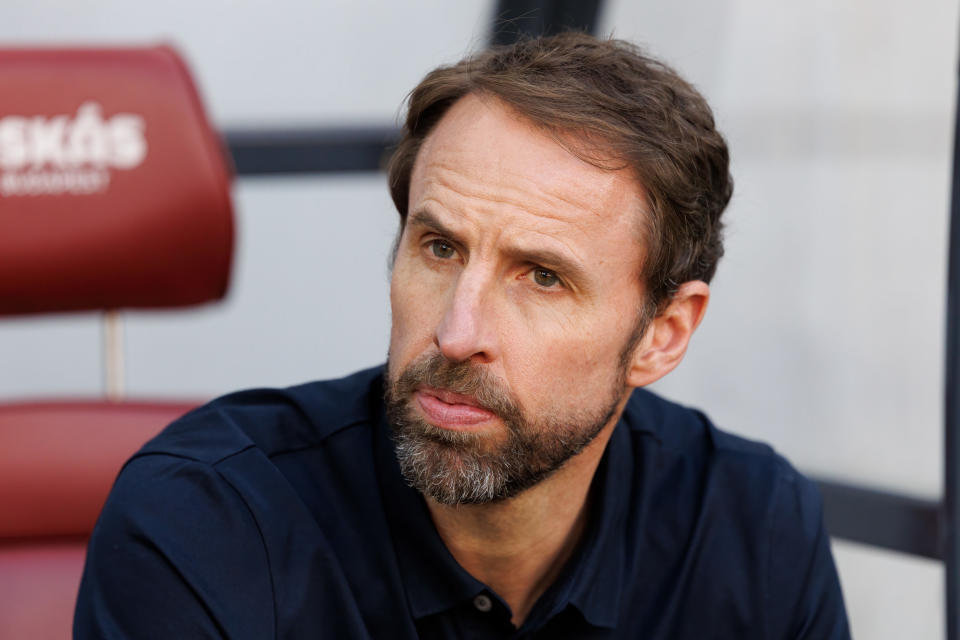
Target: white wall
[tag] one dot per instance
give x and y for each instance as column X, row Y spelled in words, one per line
column 824, row 335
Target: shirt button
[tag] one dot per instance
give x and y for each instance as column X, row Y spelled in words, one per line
column 483, row 603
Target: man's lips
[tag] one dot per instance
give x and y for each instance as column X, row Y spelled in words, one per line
column 450, row 410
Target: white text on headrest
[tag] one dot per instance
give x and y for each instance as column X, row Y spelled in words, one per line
column 57, row 154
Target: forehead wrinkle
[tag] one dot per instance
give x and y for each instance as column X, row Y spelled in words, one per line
column 557, row 169
column 542, row 204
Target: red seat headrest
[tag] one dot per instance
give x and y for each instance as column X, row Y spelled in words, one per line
column 114, row 190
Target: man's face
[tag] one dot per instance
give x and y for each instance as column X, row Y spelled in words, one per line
column 516, row 304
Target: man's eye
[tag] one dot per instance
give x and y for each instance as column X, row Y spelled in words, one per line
column 442, row 249
column 545, row 277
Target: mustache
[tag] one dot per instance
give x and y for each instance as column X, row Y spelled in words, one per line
column 465, row 378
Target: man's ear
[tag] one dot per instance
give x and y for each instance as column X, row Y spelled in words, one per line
column 665, row 341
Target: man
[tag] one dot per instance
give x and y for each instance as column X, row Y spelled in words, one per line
column 560, row 206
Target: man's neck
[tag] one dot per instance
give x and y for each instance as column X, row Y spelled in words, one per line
column 519, row 546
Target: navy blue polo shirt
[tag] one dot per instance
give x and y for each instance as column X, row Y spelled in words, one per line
column 283, row 514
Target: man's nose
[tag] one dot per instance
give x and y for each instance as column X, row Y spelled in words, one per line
column 467, row 330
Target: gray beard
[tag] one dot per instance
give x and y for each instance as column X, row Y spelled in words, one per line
column 457, row 467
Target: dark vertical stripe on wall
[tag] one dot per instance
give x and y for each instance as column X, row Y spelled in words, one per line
column 515, row 19
column 951, row 448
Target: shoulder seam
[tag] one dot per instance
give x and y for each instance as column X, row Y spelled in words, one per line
column 346, row 425
column 180, row 456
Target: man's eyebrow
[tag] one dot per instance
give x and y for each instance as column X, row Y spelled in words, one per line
column 424, row 218
column 566, row 267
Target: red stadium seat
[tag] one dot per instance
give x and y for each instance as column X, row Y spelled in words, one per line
column 114, row 194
